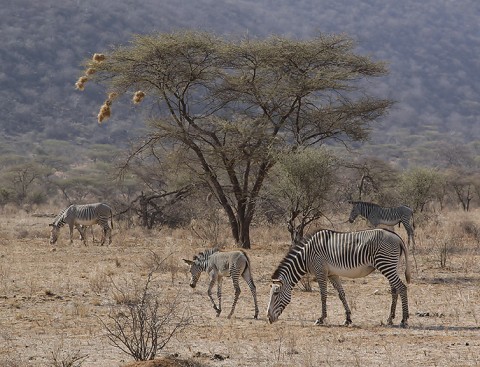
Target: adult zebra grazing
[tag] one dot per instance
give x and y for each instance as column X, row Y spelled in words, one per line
column 83, row 215
column 329, row 255
column 219, row 264
column 376, row 215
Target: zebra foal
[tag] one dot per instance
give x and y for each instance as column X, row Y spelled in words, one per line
column 80, row 216
column 376, row 215
column 218, row 264
column 329, row 255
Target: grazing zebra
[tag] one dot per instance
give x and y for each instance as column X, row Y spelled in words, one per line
column 219, row 264
column 376, row 215
column 81, row 216
column 329, row 255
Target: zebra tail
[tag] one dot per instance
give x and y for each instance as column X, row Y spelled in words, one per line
column 111, row 218
column 408, row 275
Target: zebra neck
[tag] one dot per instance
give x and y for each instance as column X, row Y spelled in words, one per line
column 59, row 222
column 293, row 266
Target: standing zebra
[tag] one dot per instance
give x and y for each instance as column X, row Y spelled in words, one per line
column 81, row 216
column 376, row 214
column 329, row 255
column 219, row 264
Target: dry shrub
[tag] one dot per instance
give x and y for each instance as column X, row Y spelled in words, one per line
column 164, row 262
column 145, row 324
column 169, row 361
column 22, row 233
column 471, row 230
column 100, row 281
column 63, row 358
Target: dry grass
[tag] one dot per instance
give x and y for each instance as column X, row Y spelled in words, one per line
column 51, row 296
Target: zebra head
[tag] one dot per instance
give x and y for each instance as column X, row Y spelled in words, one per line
column 196, row 269
column 355, row 211
column 280, row 297
column 54, row 233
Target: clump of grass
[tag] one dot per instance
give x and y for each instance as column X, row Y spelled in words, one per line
column 99, row 282
column 23, row 233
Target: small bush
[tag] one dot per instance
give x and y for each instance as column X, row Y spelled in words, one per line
column 142, row 323
column 471, row 230
column 62, row 358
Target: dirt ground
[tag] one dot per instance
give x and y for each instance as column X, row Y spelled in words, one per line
column 52, row 299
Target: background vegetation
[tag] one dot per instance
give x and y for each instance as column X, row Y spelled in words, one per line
column 425, row 152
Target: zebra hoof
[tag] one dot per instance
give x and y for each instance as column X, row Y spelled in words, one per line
column 347, row 322
column 404, row 324
column 319, row 322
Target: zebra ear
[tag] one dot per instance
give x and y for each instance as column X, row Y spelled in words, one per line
column 189, row 262
column 51, row 224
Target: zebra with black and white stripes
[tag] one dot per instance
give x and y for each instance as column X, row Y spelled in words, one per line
column 330, row 255
column 218, row 264
column 79, row 216
column 389, row 216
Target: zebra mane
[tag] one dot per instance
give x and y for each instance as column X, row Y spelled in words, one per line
column 60, row 216
column 362, row 202
column 297, row 248
column 206, row 253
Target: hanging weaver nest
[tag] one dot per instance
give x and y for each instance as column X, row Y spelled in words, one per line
column 138, row 96
column 105, row 108
column 80, row 84
column 98, row 57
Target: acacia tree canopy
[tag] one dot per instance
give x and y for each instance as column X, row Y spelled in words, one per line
column 229, row 106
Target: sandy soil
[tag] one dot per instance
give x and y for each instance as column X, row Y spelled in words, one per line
column 53, row 297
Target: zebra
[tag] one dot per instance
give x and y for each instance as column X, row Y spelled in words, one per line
column 376, row 214
column 81, row 216
column 219, row 264
column 329, row 255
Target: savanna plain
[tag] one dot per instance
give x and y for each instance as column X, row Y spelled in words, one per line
column 55, row 299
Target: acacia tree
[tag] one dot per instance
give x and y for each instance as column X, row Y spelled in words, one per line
column 302, row 184
column 228, row 106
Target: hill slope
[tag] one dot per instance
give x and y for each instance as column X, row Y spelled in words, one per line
column 432, row 47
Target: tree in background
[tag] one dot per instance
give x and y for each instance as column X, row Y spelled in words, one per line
column 302, row 184
column 227, row 107
column 420, row 186
column 375, row 181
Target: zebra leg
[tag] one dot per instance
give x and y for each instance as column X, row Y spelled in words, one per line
column 219, row 295
column 209, row 292
column 236, row 286
column 71, row 233
column 322, row 283
column 82, row 231
column 335, row 280
column 109, row 235
column 248, row 278
column 104, row 234
column 394, row 305
column 405, row 313
column 397, row 287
